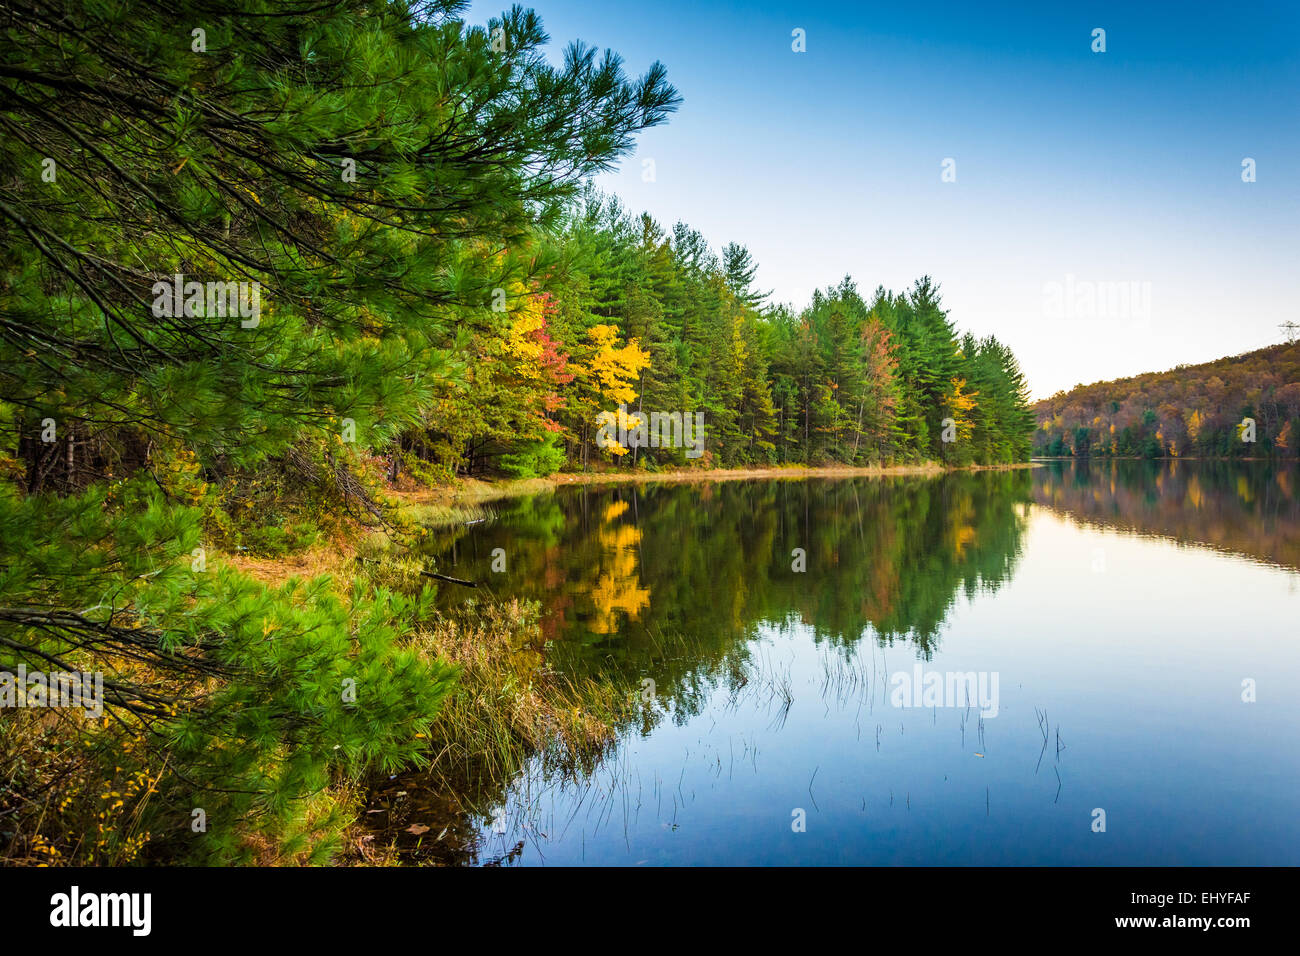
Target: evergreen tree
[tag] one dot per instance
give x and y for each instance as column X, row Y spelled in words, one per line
column 350, row 192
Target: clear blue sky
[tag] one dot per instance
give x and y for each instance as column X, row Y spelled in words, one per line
column 1123, row 166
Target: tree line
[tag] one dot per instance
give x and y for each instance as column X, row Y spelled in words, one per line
column 653, row 320
column 1242, row 406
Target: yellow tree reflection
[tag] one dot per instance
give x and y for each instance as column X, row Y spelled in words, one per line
column 618, row 588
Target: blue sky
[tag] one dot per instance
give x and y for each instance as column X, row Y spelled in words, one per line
column 1071, row 166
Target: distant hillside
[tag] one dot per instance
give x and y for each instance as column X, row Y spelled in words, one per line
column 1190, row 410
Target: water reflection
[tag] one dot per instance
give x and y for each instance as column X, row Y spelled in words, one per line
column 772, row 683
column 1247, row 508
column 620, row 568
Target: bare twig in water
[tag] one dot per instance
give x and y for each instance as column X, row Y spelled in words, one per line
column 444, row 577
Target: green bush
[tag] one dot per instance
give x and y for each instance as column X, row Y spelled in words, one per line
column 536, row 460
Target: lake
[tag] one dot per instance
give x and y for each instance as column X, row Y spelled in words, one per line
column 1071, row 664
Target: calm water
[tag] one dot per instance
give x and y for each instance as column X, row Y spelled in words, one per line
column 1119, row 607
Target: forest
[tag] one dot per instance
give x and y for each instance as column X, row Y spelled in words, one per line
column 636, row 316
column 387, row 264
column 1191, row 411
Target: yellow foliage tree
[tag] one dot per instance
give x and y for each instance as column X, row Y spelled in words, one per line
column 609, row 374
column 959, row 407
column 613, row 368
column 521, row 344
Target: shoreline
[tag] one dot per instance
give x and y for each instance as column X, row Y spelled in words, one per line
column 468, row 491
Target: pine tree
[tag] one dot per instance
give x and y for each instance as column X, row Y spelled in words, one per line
column 366, row 182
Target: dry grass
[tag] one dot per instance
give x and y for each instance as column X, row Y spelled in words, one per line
column 509, row 703
column 456, row 501
column 469, row 491
column 329, row 558
column 508, row 708
column 794, row 472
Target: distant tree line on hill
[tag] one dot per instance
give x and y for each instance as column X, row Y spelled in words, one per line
column 1244, row 406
